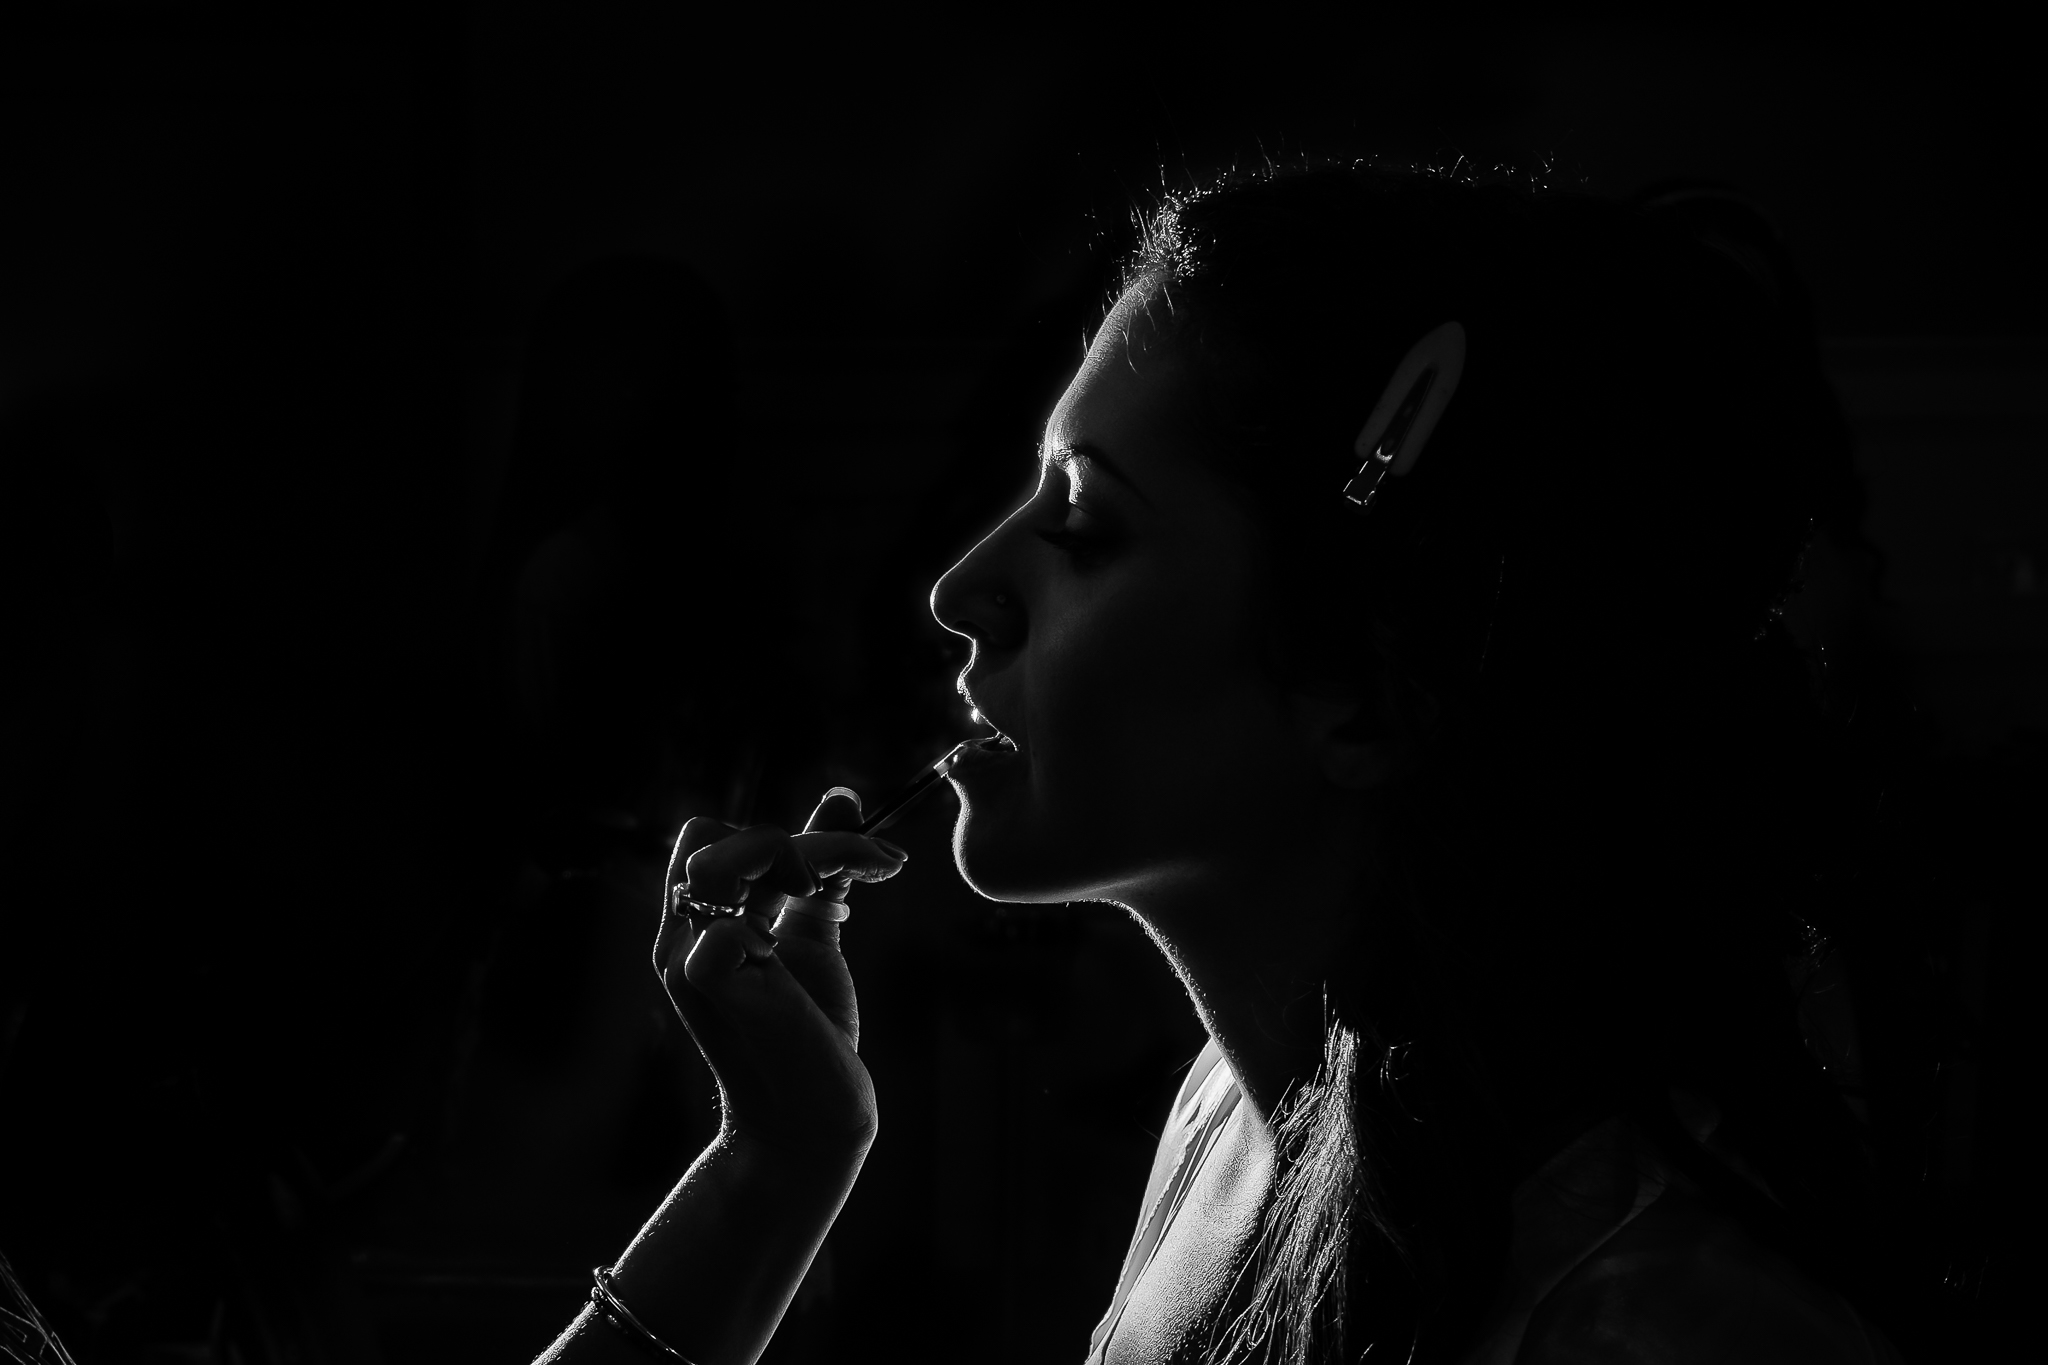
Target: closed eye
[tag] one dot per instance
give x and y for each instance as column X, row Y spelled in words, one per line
column 1079, row 531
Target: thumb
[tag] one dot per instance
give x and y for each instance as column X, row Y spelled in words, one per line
column 838, row 809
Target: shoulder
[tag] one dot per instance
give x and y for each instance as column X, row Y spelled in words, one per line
column 1684, row 1285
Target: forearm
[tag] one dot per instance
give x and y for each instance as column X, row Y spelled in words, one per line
column 714, row 1269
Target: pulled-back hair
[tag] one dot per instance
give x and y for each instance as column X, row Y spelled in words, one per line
column 1566, row 615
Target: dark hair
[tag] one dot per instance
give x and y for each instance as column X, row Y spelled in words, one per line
column 1600, row 859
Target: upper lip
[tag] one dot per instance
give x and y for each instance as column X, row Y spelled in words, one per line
column 981, row 711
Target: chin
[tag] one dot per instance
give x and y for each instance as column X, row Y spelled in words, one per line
column 1005, row 860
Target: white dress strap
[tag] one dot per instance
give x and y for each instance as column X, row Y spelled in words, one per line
column 1206, row 1101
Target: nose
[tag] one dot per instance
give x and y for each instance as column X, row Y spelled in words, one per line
column 975, row 598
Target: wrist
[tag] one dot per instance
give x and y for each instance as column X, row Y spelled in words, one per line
column 713, row 1271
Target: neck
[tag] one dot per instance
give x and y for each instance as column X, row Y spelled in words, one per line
column 1253, row 944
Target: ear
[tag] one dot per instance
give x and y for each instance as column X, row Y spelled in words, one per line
column 1346, row 741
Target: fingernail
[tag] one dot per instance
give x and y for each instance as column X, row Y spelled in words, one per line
column 847, row 792
column 894, row 852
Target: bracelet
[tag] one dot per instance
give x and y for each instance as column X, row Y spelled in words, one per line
column 621, row 1318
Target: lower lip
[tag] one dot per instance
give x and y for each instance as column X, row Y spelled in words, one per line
column 975, row 757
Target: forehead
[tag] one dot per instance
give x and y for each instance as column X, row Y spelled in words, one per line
column 1129, row 394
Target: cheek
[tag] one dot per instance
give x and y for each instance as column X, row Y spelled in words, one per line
column 1149, row 711
column 1115, row 666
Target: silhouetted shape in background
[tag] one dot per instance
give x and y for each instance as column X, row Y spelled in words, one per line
column 616, row 553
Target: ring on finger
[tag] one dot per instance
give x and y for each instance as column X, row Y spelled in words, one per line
column 682, row 902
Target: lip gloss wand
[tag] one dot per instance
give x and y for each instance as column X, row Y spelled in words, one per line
column 885, row 815
column 920, row 786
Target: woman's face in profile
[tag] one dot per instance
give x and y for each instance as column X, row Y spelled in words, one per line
column 1116, row 644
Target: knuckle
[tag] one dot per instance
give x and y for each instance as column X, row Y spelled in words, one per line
column 749, row 849
column 698, row 968
column 701, row 830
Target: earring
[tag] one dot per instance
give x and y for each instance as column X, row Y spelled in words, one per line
column 1392, row 438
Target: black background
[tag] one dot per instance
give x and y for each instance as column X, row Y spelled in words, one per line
column 327, row 1038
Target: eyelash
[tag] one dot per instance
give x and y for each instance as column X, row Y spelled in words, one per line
column 1082, row 543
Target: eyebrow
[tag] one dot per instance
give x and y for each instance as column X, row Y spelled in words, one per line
column 1091, row 453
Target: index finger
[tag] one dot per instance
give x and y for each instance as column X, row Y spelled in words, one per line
column 838, row 809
